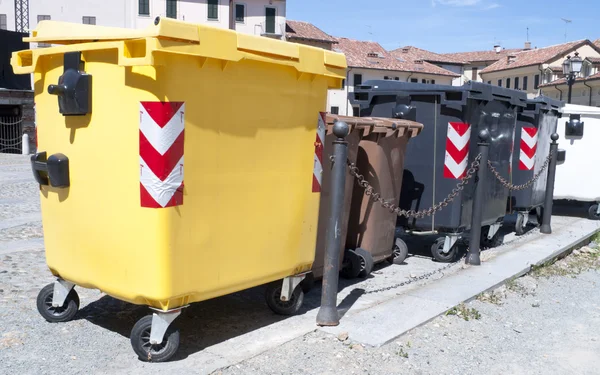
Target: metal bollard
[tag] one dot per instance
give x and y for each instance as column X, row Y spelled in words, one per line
column 25, row 144
column 547, row 216
column 328, row 314
column 475, row 240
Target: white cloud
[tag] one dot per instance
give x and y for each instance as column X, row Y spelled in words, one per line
column 455, row 3
column 492, row 6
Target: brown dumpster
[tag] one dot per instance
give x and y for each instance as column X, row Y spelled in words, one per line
column 372, row 228
column 360, row 127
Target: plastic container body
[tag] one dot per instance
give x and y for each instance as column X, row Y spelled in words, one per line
column 361, row 151
column 535, row 124
column 578, row 178
column 191, row 176
column 436, row 160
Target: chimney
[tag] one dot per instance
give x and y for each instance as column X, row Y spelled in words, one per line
column 497, row 48
column 527, row 46
column 511, row 58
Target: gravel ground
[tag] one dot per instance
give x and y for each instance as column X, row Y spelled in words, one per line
column 97, row 340
column 546, row 323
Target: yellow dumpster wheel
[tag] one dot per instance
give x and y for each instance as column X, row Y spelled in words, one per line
column 57, row 314
column 148, row 352
column 273, row 299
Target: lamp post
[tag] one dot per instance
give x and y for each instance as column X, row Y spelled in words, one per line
column 571, row 68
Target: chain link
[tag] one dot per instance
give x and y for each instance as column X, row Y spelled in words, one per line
column 376, row 197
column 510, row 186
column 411, row 280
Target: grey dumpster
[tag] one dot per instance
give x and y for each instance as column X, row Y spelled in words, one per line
column 535, row 124
column 440, row 157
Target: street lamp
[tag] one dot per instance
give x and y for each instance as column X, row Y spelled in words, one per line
column 571, row 68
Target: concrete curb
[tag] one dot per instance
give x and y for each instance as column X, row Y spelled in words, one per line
column 387, row 321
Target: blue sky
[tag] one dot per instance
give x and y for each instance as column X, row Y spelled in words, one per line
column 452, row 25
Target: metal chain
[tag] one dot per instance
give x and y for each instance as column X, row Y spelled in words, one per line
column 510, row 186
column 411, row 280
column 376, row 197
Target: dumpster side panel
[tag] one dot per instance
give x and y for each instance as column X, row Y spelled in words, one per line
column 525, row 160
column 249, row 215
column 548, row 122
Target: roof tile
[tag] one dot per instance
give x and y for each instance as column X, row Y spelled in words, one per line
column 535, row 56
column 418, row 53
column 306, row 31
column 481, row 56
column 371, row 55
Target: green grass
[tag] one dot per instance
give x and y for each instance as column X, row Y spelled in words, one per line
column 464, row 312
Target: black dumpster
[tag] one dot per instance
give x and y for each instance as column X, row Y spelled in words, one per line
column 535, row 124
column 440, row 157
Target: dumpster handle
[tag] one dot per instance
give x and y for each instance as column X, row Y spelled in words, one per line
column 53, row 170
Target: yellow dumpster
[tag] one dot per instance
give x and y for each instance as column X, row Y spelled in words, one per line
column 176, row 164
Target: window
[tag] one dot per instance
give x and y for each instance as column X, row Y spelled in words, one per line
column 516, row 83
column 144, row 7
column 270, row 14
column 433, row 81
column 355, row 112
column 508, row 83
column 489, row 82
column 172, row 8
column 474, row 74
column 525, row 79
column 586, row 70
column 3, row 25
column 386, row 77
column 396, row 78
column 240, row 13
column 414, row 80
column 548, row 77
column 343, row 84
column 423, row 81
column 89, row 20
column 499, row 83
column 536, row 81
column 213, row 9
column 335, row 110
column 357, row 79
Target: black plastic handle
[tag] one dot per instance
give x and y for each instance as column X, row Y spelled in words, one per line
column 53, row 170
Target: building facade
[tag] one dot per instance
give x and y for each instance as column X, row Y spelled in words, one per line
column 476, row 61
column 370, row 61
column 256, row 17
column 528, row 69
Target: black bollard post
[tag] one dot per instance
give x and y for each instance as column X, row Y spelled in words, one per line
column 475, row 240
column 547, row 215
column 328, row 314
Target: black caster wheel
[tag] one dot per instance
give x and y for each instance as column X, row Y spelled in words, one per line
column 490, row 243
column 273, row 298
column 399, row 253
column 437, row 250
column 519, row 227
column 351, row 266
column 366, row 262
column 60, row 314
column 147, row 352
column 593, row 212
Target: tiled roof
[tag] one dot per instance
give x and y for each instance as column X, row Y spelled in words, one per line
column 306, row 31
column 597, row 42
column 535, row 56
column 481, row 56
column 371, row 55
column 563, row 81
column 556, row 69
column 418, row 53
column 594, row 60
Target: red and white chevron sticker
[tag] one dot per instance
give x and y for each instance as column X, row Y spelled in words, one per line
column 529, row 139
column 161, row 154
column 457, row 150
column 319, row 145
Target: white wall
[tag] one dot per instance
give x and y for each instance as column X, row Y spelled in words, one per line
column 124, row 13
column 458, row 69
column 339, row 98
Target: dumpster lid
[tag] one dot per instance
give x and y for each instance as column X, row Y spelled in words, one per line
column 377, row 124
column 546, row 103
column 56, row 32
column 575, row 109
